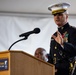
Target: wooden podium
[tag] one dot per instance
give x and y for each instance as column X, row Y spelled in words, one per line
column 21, row 63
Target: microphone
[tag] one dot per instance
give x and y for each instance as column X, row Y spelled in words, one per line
column 35, row 31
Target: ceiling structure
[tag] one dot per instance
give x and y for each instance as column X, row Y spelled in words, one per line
column 32, row 6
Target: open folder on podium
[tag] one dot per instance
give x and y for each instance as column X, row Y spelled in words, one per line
column 21, row 63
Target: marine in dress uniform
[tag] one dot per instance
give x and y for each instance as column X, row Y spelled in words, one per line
column 62, row 56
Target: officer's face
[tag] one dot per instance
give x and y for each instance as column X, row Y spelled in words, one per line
column 60, row 19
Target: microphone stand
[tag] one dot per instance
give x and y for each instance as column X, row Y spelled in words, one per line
column 17, row 41
column 36, row 30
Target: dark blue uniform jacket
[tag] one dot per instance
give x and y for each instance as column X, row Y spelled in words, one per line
column 60, row 56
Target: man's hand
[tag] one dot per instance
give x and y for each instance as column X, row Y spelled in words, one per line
column 58, row 38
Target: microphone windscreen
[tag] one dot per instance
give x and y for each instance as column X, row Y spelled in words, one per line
column 36, row 30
